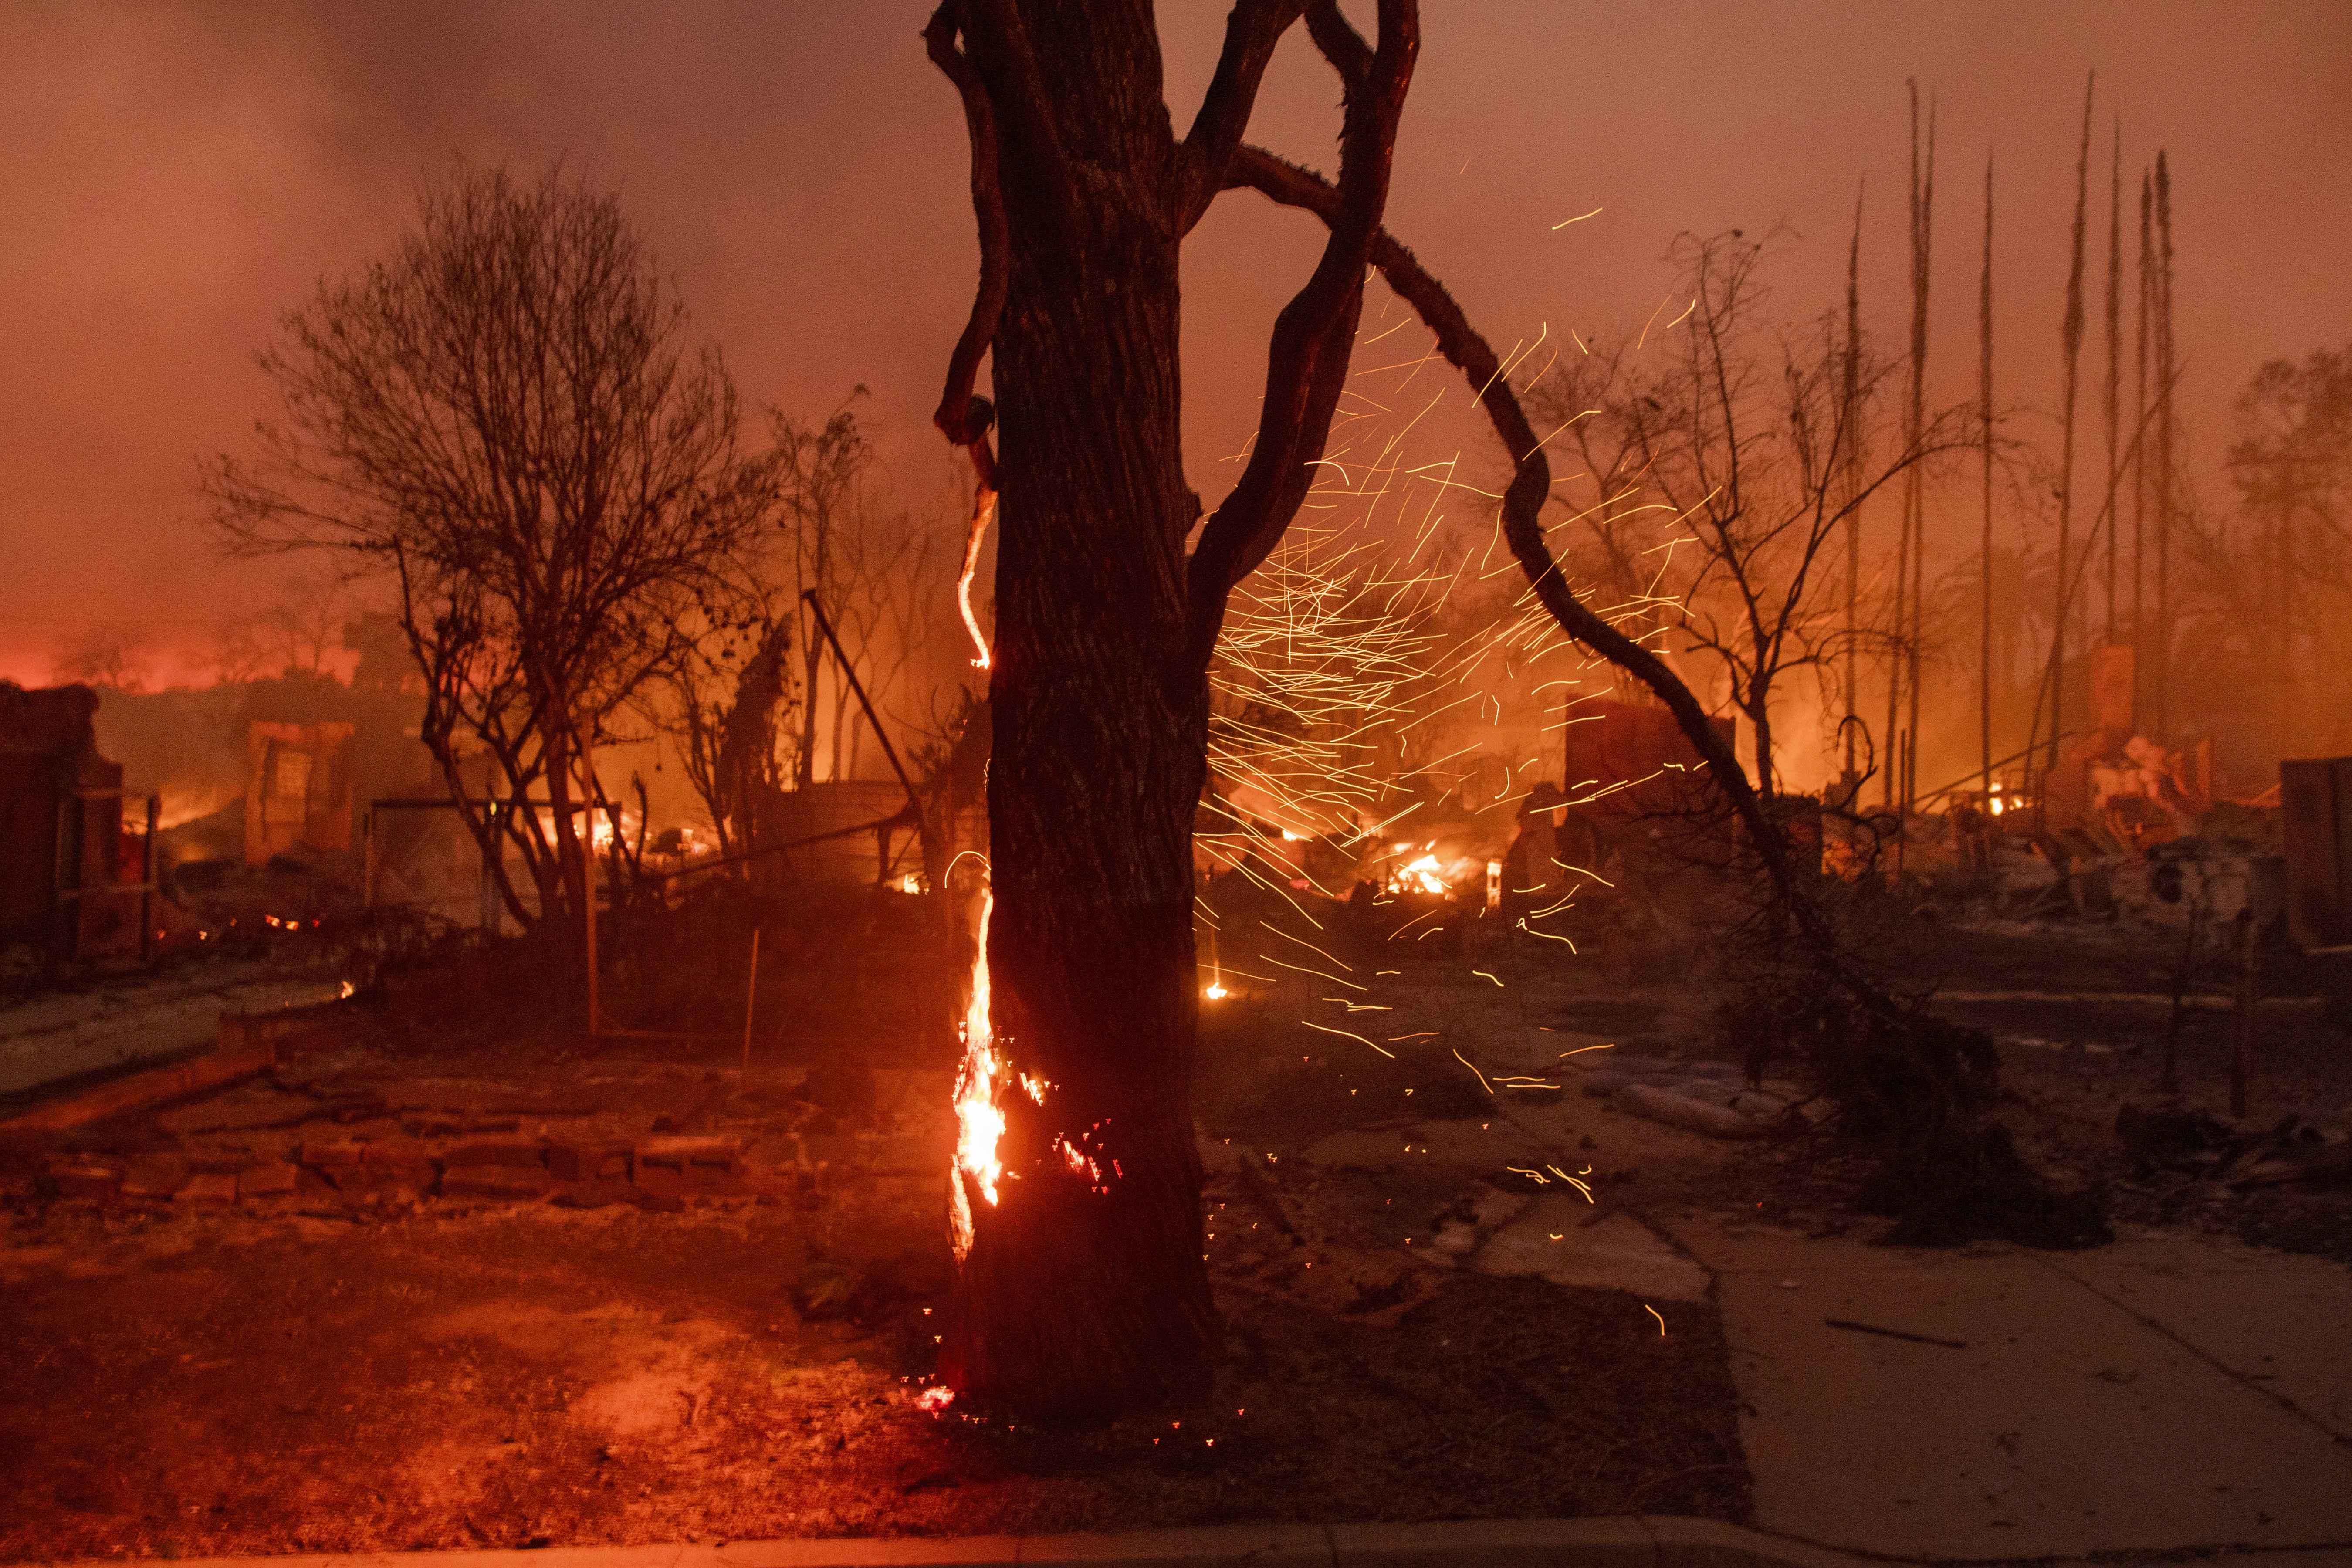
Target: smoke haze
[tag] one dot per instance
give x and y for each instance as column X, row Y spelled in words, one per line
column 182, row 173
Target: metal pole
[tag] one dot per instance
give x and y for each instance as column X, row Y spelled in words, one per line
column 147, row 894
column 588, row 904
column 2242, row 1051
column 751, row 998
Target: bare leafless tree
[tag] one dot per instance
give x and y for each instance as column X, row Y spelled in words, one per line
column 117, row 658
column 296, row 636
column 505, row 418
column 729, row 711
column 890, row 589
column 1719, row 485
column 2290, row 463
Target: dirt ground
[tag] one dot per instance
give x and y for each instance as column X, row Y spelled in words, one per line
column 718, row 1353
column 737, row 1354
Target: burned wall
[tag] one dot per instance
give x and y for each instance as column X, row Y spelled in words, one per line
column 61, row 823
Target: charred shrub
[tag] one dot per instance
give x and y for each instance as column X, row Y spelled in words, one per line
column 1912, row 1094
column 1969, row 1185
column 1898, row 1077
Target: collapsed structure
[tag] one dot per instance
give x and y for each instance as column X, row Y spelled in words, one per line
column 73, row 884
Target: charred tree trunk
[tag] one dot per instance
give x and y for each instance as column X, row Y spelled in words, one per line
column 1849, row 405
column 2167, row 374
column 1085, row 1283
column 2140, row 457
column 2111, row 404
column 1912, row 599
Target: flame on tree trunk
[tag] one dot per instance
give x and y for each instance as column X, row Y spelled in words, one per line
column 1083, row 1283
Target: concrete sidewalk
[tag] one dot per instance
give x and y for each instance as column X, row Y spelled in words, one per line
column 2161, row 1395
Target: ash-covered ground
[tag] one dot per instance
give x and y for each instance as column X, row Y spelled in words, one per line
column 469, row 1278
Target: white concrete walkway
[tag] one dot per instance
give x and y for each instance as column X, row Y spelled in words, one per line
column 2159, row 1395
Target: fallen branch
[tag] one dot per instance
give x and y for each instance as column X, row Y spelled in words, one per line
column 1895, row 1334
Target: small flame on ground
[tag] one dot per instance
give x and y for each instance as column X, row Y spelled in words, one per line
column 934, row 1399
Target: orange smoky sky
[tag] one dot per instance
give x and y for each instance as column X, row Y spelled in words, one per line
column 177, row 175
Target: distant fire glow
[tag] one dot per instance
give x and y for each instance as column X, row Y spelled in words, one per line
column 1420, row 876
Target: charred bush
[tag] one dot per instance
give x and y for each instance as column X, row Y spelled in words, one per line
column 1969, row 1185
column 1913, row 1095
column 1900, row 1078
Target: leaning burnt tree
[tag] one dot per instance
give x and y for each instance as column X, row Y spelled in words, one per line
column 1082, row 1286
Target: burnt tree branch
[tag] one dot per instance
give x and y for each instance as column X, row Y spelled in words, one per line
column 1306, row 361
column 1252, row 30
column 954, row 414
column 997, row 43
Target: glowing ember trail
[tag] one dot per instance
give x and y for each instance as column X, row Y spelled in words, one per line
column 983, row 511
column 980, row 1123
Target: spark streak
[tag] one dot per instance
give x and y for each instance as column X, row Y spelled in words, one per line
column 1391, row 1054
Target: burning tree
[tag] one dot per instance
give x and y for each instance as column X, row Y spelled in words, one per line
column 504, row 418
column 1081, row 1283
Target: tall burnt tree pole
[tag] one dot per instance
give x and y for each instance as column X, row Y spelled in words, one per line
column 2139, row 454
column 2071, row 340
column 2111, row 402
column 1910, row 581
column 1082, row 1286
column 1850, row 401
column 2167, row 374
column 1984, row 418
